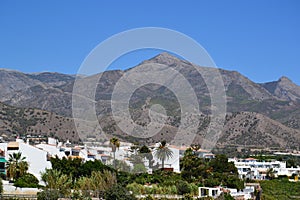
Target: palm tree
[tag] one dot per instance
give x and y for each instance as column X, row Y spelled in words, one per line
column 115, row 143
column 16, row 166
column 162, row 152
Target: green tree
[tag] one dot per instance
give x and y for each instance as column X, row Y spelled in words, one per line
column 84, row 186
column 225, row 172
column 57, row 181
column 162, row 152
column 214, row 172
column 146, row 152
column 192, row 167
column 68, row 166
column 115, row 144
column 97, row 183
column 76, row 168
column 16, row 166
column 139, row 168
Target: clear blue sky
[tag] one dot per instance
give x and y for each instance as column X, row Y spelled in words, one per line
column 260, row 39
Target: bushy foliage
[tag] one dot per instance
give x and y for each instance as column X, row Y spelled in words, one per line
column 183, row 187
column 48, row 195
column 139, row 168
column 57, row 181
column 76, row 168
column 280, row 189
column 135, row 188
column 28, row 180
column 138, row 189
column 118, row 192
column 96, row 184
column 194, row 189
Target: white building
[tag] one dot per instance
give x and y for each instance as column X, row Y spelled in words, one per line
column 209, row 191
column 36, row 158
column 254, row 169
column 246, row 193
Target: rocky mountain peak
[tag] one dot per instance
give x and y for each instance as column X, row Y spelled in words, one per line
column 286, row 81
column 164, row 58
column 284, row 89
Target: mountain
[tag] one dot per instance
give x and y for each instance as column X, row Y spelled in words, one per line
column 271, row 110
column 27, row 121
column 284, row 89
column 13, row 81
column 257, row 130
column 42, row 91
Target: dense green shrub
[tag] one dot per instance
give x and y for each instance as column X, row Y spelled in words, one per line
column 138, row 189
column 183, row 187
column 76, row 167
column 48, row 195
column 118, row 192
column 28, row 180
column 194, row 189
column 188, row 196
column 135, row 188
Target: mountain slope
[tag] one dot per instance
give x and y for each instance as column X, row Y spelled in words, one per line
column 40, row 90
column 247, row 102
column 27, row 121
column 12, row 81
column 256, row 130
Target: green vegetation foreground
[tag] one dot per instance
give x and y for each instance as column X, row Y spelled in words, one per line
column 94, row 179
column 280, row 189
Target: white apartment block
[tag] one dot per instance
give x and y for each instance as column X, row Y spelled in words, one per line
column 253, row 169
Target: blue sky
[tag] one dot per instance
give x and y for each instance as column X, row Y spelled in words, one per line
column 260, row 39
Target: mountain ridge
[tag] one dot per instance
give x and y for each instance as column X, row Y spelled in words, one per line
column 276, row 103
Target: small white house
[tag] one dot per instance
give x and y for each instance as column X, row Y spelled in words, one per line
column 209, row 192
column 246, row 193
